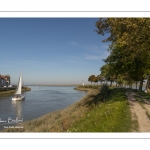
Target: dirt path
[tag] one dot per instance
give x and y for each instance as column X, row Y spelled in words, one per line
column 140, row 111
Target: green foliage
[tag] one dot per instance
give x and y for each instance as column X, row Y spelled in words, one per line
column 101, row 78
column 104, row 92
column 108, row 73
column 129, row 47
column 143, row 94
column 91, row 78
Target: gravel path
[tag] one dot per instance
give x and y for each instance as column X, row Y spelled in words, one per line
column 139, row 111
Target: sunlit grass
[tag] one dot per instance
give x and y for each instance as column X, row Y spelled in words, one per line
column 112, row 116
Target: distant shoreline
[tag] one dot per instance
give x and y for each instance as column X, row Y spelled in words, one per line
column 77, row 85
column 54, row 85
column 12, row 91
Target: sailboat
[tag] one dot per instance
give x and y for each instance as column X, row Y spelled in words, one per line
column 18, row 95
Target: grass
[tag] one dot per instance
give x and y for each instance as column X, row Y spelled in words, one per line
column 140, row 96
column 89, row 86
column 10, row 92
column 112, row 116
column 143, row 94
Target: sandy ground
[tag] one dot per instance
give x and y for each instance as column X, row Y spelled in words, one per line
column 139, row 111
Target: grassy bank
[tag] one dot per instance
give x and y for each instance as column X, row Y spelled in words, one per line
column 92, row 113
column 12, row 91
column 112, row 116
column 85, row 87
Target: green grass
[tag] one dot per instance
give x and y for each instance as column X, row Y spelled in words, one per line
column 90, row 86
column 141, row 95
column 12, row 91
column 111, row 116
column 145, row 95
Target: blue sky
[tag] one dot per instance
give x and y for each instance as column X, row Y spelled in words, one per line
column 51, row 50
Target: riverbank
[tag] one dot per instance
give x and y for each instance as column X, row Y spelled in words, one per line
column 11, row 91
column 60, row 120
column 88, row 114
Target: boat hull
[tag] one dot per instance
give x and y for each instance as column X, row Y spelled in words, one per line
column 18, row 98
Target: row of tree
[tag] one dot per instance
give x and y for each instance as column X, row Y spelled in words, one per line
column 129, row 47
column 96, row 79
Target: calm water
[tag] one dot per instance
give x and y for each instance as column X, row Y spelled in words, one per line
column 39, row 101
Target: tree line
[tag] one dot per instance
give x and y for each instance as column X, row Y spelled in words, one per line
column 129, row 47
column 96, row 79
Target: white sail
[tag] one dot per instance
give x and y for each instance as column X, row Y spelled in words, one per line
column 18, row 92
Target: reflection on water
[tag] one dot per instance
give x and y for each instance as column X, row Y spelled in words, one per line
column 17, row 106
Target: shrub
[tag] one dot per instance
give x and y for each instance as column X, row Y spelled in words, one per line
column 104, row 92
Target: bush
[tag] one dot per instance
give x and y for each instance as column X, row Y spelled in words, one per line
column 104, row 92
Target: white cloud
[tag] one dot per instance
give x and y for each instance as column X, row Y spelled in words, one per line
column 96, row 49
column 73, row 43
column 92, row 57
column 101, row 56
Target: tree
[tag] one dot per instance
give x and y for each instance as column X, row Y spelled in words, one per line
column 108, row 73
column 100, row 78
column 96, row 79
column 91, row 78
column 129, row 45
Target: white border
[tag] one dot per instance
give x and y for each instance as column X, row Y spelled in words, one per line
column 61, row 135
column 72, row 14
column 74, row 5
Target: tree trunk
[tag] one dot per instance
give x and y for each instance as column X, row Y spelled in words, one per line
column 141, row 84
column 148, row 85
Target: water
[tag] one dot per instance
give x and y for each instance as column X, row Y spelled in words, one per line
column 39, row 101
